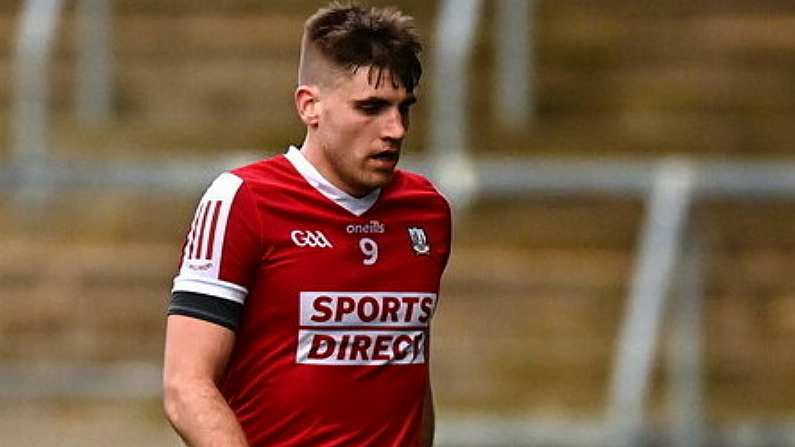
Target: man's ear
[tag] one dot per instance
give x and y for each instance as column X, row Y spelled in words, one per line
column 307, row 104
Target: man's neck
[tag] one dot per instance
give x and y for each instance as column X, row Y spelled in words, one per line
column 313, row 153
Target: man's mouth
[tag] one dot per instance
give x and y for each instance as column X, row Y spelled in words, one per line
column 387, row 156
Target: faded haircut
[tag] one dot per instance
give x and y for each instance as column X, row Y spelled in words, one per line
column 346, row 37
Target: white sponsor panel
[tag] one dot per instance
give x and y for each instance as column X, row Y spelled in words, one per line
column 367, row 309
column 379, row 347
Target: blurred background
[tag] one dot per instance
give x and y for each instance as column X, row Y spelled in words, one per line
column 623, row 176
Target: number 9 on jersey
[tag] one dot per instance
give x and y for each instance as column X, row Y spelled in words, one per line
column 370, row 249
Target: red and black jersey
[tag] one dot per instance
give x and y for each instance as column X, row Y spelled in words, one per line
column 331, row 297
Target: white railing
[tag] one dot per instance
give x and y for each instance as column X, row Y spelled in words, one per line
column 93, row 93
column 658, row 256
column 30, row 125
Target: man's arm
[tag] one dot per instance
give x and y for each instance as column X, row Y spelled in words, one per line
column 428, row 426
column 196, row 354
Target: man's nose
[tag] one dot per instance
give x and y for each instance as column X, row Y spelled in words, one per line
column 395, row 125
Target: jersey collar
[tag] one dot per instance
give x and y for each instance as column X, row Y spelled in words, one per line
column 354, row 205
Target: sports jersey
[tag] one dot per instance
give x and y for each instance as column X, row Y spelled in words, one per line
column 330, row 296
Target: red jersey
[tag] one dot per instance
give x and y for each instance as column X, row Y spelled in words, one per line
column 338, row 293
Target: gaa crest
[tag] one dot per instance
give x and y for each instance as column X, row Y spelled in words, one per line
column 419, row 241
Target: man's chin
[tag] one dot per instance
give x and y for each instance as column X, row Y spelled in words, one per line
column 381, row 178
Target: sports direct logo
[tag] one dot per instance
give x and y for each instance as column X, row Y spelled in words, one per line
column 363, row 328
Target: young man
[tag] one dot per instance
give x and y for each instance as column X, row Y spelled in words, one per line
column 301, row 312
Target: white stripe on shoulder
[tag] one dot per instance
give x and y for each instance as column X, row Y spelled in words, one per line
column 203, row 255
column 223, row 188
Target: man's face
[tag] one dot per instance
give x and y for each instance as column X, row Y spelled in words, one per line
column 361, row 130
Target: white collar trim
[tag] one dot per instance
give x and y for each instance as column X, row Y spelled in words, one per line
column 354, row 205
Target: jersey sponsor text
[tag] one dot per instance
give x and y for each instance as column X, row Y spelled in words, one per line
column 368, row 309
column 381, row 347
column 363, row 328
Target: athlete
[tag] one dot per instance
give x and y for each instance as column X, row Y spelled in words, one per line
column 301, row 312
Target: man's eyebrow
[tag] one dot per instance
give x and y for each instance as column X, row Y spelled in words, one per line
column 379, row 100
column 371, row 100
column 410, row 100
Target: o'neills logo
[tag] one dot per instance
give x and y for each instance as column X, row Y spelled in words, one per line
column 363, row 328
column 372, row 227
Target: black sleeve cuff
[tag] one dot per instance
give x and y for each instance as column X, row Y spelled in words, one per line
column 206, row 307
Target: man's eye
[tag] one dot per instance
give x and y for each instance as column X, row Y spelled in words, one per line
column 371, row 109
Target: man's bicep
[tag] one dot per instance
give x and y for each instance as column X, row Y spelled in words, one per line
column 219, row 258
column 196, row 349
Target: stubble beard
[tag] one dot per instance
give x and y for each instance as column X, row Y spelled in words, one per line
column 355, row 174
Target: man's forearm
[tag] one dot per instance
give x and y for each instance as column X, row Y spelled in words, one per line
column 201, row 416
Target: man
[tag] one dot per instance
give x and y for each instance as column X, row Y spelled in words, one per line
column 301, row 311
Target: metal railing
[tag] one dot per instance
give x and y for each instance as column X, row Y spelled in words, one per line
column 30, row 125
column 658, row 255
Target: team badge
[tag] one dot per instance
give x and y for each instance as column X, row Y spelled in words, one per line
column 419, row 241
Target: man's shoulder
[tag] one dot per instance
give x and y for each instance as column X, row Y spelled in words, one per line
column 408, row 181
column 262, row 171
column 418, row 187
column 257, row 179
column 262, row 176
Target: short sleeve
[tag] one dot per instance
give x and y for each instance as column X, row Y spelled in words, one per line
column 223, row 246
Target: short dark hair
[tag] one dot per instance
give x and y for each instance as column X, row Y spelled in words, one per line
column 350, row 37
